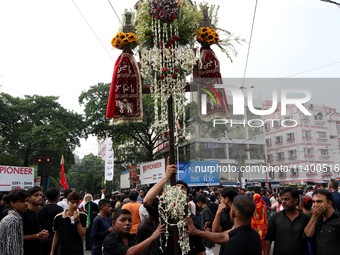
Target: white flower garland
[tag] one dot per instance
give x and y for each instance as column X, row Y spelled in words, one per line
column 172, row 206
column 167, row 83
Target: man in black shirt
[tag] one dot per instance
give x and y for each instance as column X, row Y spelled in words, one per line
column 195, row 242
column 222, row 220
column 206, row 221
column 213, row 206
column 32, row 233
column 120, row 242
column 333, row 186
column 242, row 239
column 46, row 215
column 7, row 206
column 286, row 227
column 70, row 228
column 324, row 225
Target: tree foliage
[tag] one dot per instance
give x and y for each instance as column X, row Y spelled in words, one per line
column 38, row 127
column 141, row 138
column 87, row 175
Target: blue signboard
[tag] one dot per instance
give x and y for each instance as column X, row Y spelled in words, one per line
column 198, row 173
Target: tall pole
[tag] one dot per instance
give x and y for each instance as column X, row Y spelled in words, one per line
column 171, row 138
column 173, row 176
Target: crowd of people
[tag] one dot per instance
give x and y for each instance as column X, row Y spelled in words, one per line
column 292, row 221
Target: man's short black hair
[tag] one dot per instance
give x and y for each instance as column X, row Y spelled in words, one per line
column 325, row 192
column 66, row 192
column 133, row 195
column 229, row 193
column 257, row 189
column 103, row 202
column 119, row 212
column 264, row 192
column 144, row 190
column 52, row 194
column 213, row 198
column 185, row 185
column 334, row 184
column 293, row 192
column 6, row 199
column 245, row 206
column 74, row 196
column 153, row 209
column 18, row 194
column 32, row 190
column 201, row 198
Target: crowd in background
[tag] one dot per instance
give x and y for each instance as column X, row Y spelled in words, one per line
column 54, row 224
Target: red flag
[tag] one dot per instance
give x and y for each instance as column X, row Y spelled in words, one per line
column 63, row 181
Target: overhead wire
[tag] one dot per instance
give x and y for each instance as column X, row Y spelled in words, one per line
column 93, row 31
column 115, row 12
column 251, row 35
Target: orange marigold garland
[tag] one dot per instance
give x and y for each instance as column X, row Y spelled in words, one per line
column 207, row 36
column 125, row 41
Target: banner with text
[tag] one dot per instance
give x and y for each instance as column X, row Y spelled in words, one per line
column 13, row 177
column 199, row 173
column 152, row 172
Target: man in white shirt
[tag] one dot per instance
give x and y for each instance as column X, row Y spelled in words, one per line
column 63, row 203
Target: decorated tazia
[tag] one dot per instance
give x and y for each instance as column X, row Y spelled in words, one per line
column 209, row 67
column 125, row 99
column 172, row 206
column 166, row 30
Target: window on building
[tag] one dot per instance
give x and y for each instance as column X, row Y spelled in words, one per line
column 271, row 174
column 293, row 171
column 307, row 134
column 270, row 157
column 309, row 151
column 318, row 116
column 278, row 139
column 282, row 173
column 276, row 123
column 288, row 118
column 292, row 153
column 324, row 152
column 304, row 117
column 290, row 136
column 280, row 155
column 267, row 126
column 326, row 169
column 322, row 135
column 269, row 141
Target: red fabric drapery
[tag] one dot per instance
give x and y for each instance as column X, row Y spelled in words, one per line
column 125, row 99
column 209, row 74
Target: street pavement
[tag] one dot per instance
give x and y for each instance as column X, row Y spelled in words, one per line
column 216, row 249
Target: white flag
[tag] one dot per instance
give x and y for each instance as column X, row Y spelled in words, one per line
column 109, row 161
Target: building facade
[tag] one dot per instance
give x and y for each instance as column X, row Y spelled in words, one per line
column 303, row 148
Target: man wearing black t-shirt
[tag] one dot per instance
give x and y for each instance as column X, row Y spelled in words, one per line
column 195, row 242
column 120, row 241
column 46, row 215
column 222, row 220
column 242, row 239
column 32, row 233
column 206, row 221
column 70, row 228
